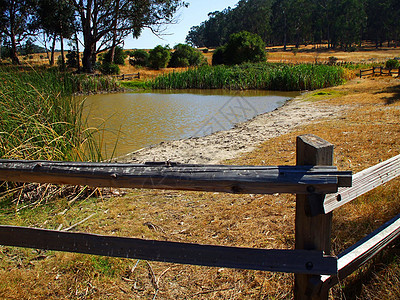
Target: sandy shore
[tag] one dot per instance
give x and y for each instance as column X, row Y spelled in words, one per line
column 244, row 137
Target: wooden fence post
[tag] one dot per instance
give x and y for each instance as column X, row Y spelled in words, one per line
column 313, row 231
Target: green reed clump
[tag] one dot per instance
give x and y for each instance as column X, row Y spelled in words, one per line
column 93, row 84
column 254, row 76
column 40, row 119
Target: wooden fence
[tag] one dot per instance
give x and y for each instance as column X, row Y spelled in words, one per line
column 127, row 76
column 374, row 71
column 121, row 76
column 319, row 186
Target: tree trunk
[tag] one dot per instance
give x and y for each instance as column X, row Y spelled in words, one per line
column 53, row 48
column 114, row 44
column 62, row 53
column 14, row 56
column 45, row 46
column 89, row 54
column 112, row 56
column 89, row 57
column 89, row 41
column 284, row 33
column 77, row 53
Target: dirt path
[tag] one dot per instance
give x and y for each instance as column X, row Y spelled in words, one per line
column 244, row 137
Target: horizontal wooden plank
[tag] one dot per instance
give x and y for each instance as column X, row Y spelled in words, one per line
column 212, row 178
column 364, row 182
column 358, row 254
column 289, row 261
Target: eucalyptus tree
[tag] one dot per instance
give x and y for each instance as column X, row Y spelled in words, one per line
column 213, row 32
column 16, row 20
column 105, row 23
column 350, row 22
column 57, row 19
column 253, row 16
column 281, row 22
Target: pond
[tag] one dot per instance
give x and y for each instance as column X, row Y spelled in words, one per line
column 135, row 120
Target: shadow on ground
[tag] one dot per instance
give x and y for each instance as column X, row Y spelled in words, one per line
column 395, row 97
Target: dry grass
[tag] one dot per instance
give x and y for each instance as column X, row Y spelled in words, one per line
column 368, row 133
column 307, row 54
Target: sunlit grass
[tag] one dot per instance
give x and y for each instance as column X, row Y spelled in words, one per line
column 41, row 120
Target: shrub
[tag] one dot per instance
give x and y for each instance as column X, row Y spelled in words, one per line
column 392, row 64
column 119, row 56
column 242, row 47
column 130, row 53
column 72, row 59
column 108, row 68
column 218, row 56
column 140, row 58
column 159, row 57
column 185, row 56
column 332, row 60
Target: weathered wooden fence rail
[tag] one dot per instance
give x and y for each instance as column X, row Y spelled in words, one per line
column 127, row 76
column 173, row 176
column 319, row 186
column 121, row 76
column 379, row 71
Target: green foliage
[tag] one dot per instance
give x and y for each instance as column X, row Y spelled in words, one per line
column 119, row 56
column 90, row 84
column 218, row 56
column 392, row 64
column 341, row 23
column 253, row 76
column 332, row 60
column 108, row 68
column 72, row 59
column 129, row 53
column 140, row 58
column 159, row 57
column 39, row 118
column 185, row 56
column 243, row 47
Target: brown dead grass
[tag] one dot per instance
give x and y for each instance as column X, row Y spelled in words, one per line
column 307, row 54
column 366, row 134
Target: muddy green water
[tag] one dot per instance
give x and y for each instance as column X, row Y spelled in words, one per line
column 136, row 120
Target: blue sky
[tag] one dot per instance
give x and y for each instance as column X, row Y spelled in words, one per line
column 196, row 13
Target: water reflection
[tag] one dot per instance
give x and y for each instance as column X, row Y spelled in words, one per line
column 137, row 120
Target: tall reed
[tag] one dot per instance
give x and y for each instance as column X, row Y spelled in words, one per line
column 254, row 76
column 40, row 119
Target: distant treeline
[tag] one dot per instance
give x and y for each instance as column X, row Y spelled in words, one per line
column 340, row 23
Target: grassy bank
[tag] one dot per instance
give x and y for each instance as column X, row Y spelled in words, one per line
column 254, row 76
column 40, row 119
